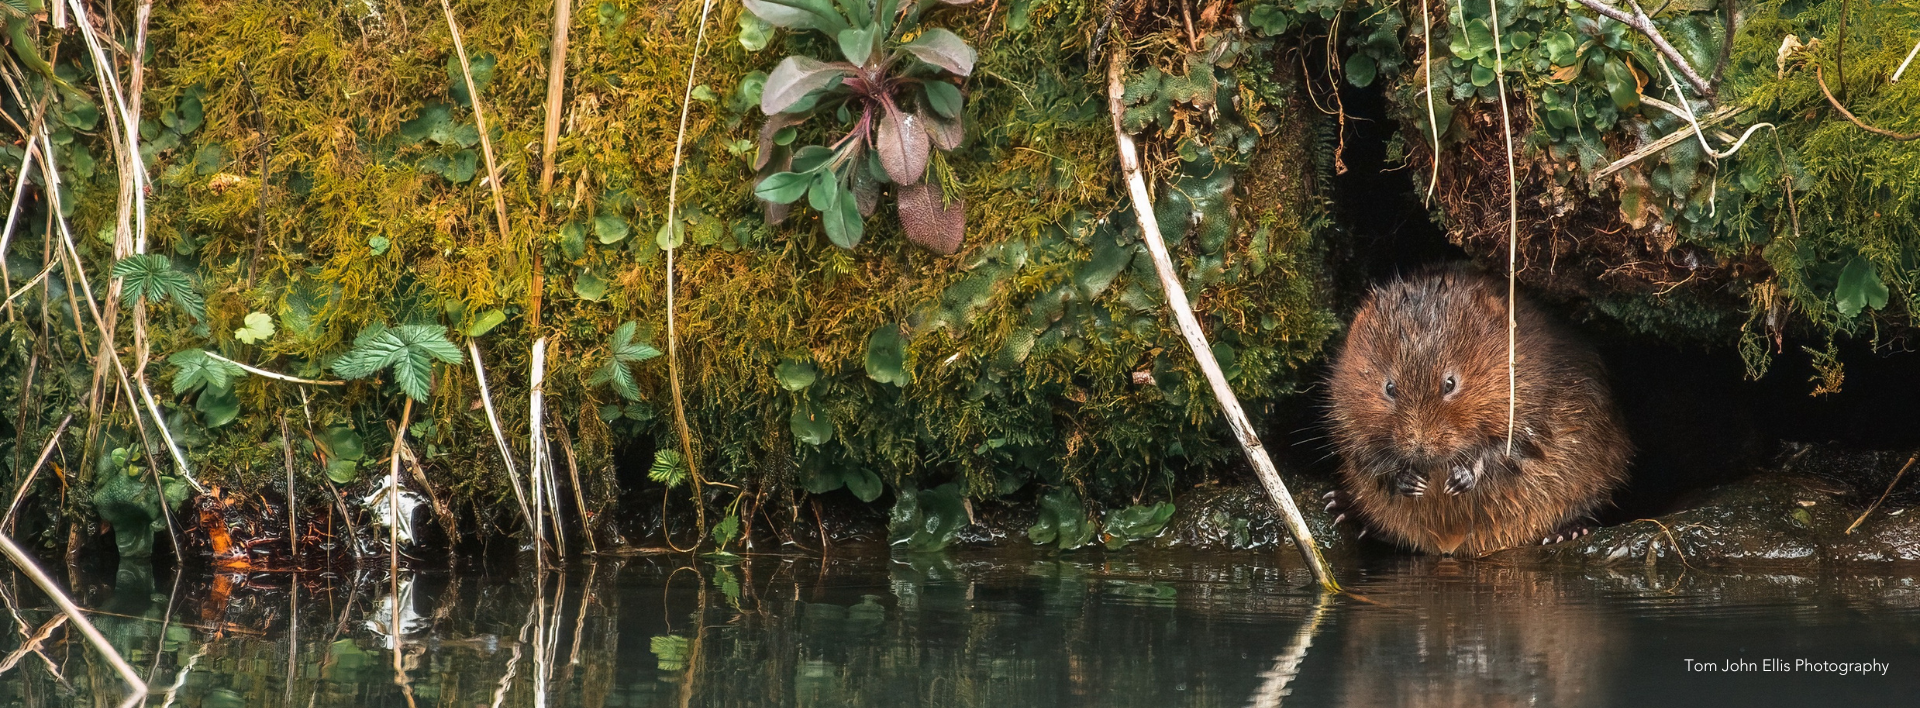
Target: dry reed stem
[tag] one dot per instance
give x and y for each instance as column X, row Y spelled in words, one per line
column 99, row 642
column 46, row 452
column 1849, row 114
column 556, row 91
column 479, row 121
column 271, row 375
column 1433, row 121
column 1196, row 338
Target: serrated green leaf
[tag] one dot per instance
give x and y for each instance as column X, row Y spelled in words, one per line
column 153, row 278
column 195, row 369
column 409, row 350
column 668, row 468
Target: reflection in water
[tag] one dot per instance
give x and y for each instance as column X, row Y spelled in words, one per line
column 999, row 629
column 1453, row 634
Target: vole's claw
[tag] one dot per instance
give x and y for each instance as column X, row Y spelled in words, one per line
column 1338, row 519
column 1462, row 479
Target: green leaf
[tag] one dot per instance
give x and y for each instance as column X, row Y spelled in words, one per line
column 726, row 530
column 1136, row 523
column 589, row 285
column 810, row 424
column 1271, row 20
column 343, row 471
column 1562, row 50
column 865, row 485
column 671, row 235
column 925, row 522
column 1361, row 69
column 856, row 44
column 755, row 33
column 1062, row 521
column 944, row 98
column 795, row 375
column 378, row 245
column 825, row 191
column 195, row 369
column 793, row 80
column 887, row 356
column 1620, row 84
column 573, row 241
column 842, row 220
column 482, row 64
column 258, row 328
column 623, row 351
column 670, row 651
column 1860, row 287
column 668, row 468
column 152, row 277
column 783, row 187
column 826, row 480
column 1481, row 76
column 943, row 49
column 409, row 350
column 487, row 321
column 218, row 406
column 342, row 443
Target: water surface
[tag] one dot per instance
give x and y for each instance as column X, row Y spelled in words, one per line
column 1001, row 628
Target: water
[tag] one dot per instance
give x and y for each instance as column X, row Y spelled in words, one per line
column 997, row 628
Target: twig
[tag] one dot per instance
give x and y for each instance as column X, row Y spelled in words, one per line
column 1640, row 22
column 393, row 520
column 1667, row 141
column 1731, row 24
column 673, row 340
column 46, row 452
column 499, row 437
column 1176, row 295
column 1849, row 114
column 480, row 122
column 293, row 527
column 272, row 375
column 100, row 644
column 29, row 284
column 1883, row 495
column 579, row 496
column 1513, row 219
column 266, row 160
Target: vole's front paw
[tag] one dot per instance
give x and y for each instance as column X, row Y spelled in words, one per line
column 1410, row 483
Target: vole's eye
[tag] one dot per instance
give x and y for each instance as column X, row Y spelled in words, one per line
column 1392, row 390
column 1448, row 387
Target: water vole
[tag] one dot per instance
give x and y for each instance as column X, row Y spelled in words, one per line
column 1419, row 416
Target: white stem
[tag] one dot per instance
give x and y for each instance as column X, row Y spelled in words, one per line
column 499, row 436
column 536, row 400
column 271, row 375
column 1426, row 67
column 100, row 644
column 1903, row 64
column 1513, row 219
column 1176, row 296
column 19, row 188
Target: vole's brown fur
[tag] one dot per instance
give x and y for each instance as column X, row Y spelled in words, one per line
column 1428, row 464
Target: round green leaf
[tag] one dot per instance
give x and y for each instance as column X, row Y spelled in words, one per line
column 887, row 356
column 810, row 424
column 610, row 228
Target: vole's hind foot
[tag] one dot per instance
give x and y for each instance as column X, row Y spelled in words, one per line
column 1571, row 531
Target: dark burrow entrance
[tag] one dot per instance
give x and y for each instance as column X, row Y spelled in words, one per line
column 1695, row 417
